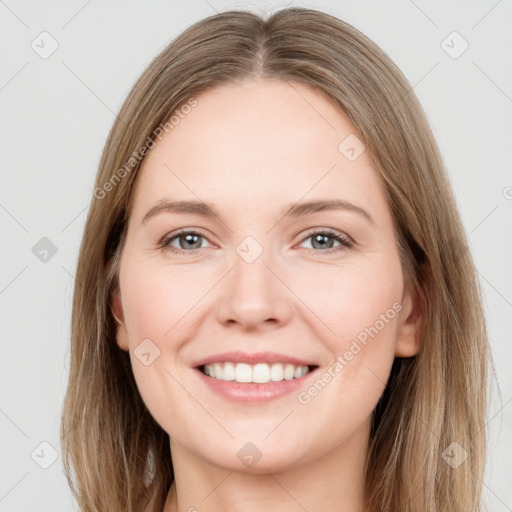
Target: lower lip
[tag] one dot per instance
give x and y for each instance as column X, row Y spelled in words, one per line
column 253, row 392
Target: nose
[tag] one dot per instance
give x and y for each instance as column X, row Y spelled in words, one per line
column 254, row 295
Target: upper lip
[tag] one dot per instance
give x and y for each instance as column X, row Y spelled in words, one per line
column 256, row 357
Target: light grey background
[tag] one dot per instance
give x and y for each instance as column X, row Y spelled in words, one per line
column 55, row 114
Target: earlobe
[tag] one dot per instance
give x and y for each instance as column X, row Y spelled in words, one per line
column 117, row 312
column 410, row 324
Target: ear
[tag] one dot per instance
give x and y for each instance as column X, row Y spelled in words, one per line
column 410, row 323
column 117, row 311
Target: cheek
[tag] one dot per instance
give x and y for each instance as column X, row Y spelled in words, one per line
column 155, row 298
column 348, row 300
column 154, row 304
column 361, row 309
column 158, row 305
column 358, row 309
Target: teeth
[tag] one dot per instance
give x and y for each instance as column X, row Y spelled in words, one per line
column 259, row 373
column 229, row 372
column 289, row 371
column 243, row 373
column 276, row 372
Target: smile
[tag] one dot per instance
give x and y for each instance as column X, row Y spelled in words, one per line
column 260, row 373
column 254, row 377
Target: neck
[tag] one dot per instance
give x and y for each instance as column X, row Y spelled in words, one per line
column 333, row 481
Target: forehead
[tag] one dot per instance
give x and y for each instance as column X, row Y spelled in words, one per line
column 257, row 139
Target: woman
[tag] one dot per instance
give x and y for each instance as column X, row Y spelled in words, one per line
column 321, row 344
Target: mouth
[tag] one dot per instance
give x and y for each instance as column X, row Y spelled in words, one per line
column 259, row 373
column 250, row 378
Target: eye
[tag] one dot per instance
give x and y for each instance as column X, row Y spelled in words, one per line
column 186, row 239
column 190, row 241
column 320, row 240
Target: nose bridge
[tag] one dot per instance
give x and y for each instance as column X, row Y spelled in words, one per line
column 253, row 294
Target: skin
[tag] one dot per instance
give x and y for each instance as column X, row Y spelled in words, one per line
column 251, row 149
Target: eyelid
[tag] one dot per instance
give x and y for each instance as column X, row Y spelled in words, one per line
column 182, row 231
column 346, row 242
column 327, row 231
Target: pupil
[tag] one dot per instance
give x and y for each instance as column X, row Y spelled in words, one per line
column 189, row 238
column 319, row 238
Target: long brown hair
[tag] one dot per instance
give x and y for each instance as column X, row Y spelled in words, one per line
column 119, row 454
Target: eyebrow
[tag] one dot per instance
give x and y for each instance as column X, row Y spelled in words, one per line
column 293, row 210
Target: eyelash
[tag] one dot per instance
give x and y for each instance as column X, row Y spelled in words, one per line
column 345, row 242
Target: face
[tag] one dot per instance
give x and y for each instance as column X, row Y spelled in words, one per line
column 258, row 287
